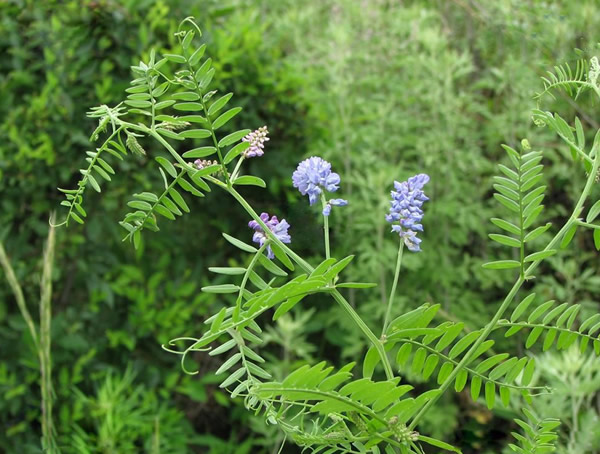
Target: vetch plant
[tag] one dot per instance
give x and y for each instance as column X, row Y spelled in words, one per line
column 319, row 407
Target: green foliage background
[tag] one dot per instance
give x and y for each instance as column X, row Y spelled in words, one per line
column 383, row 89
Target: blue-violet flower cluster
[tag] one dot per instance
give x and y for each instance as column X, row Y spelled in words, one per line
column 279, row 228
column 257, row 141
column 312, row 177
column 406, row 210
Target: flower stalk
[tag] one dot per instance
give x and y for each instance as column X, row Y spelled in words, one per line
column 393, row 291
column 325, row 227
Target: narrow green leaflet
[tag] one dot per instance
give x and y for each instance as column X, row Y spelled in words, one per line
column 186, row 96
column 200, row 152
column 439, row 444
column 239, row 244
column 224, row 118
column 250, row 181
column 233, row 137
column 502, row 265
column 219, row 104
column 236, row 151
column 166, row 164
column 540, row 255
column 223, row 288
column 195, row 134
column 593, row 213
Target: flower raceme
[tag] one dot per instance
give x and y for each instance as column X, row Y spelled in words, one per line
column 202, row 163
column 313, row 176
column 257, row 141
column 279, row 228
column 406, row 210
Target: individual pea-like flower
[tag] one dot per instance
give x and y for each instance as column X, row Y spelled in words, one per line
column 406, row 210
column 257, row 139
column 312, row 177
column 333, row 202
column 279, row 228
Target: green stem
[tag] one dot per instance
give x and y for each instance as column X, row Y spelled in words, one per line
column 234, row 174
column 152, row 100
column 215, row 142
column 507, row 301
column 394, row 285
column 239, row 340
column 588, row 225
column 325, row 227
column 326, row 395
column 48, row 443
column 18, row 293
column 506, row 324
column 238, row 197
column 238, row 302
column 521, row 228
column 375, row 342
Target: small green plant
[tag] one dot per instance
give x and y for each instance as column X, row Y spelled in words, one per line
column 539, row 434
column 574, row 379
column 319, row 407
column 122, row 417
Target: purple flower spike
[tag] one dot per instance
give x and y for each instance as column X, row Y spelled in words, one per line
column 312, row 177
column 279, row 228
column 406, row 210
column 257, row 141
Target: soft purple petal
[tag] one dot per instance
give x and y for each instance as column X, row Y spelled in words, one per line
column 338, row 202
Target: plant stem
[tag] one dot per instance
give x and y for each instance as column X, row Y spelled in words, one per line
column 521, row 228
column 394, row 285
column 375, row 342
column 588, row 225
column 48, row 443
column 234, row 174
column 325, row 227
column 238, row 301
column 156, row 439
column 507, row 301
column 18, row 293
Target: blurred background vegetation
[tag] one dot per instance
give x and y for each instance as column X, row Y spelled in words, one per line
column 381, row 88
